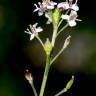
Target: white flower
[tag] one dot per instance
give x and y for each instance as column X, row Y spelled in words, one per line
column 68, row 5
column 71, row 19
column 44, row 7
column 51, row 5
column 33, row 31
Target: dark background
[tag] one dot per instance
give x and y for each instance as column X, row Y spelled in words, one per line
column 17, row 53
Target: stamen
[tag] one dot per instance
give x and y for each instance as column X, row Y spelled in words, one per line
column 35, row 5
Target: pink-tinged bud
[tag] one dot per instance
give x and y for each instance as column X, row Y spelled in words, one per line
column 67, row 41
column 28, row 76
column 61, row 6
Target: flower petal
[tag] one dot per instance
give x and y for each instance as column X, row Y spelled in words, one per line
column 39, row 29
column 72, row 23
column 66, row 5
column 61, row 5
column 28, row 32
column 49, row 18
column 66, row 17
column 40, row 13
column 37, row 9
column 75, row 7
column 50, row 7
column 32, row 36
column 78, row 20
column 35, row 25
column 48, row 22
column 53, row 3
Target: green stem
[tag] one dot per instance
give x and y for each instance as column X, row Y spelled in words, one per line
column 40, row 41
column 60, row 22
column 66, row 43
column 34, row 90
column 47, row 67
column 61, row 92
column 54, row 35
column 56, row 56
column 68, row 86
column 62, row 29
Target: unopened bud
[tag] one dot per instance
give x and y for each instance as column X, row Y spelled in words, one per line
column 48, row 47
column 69, row 84
column 28, row 76
column 67, row 41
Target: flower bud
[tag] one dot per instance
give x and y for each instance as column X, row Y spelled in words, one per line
column 67, row 41
column 28, row 76
column 69, row 84
column 48, row 47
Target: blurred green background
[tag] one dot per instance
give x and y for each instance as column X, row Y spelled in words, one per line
column 17, row 53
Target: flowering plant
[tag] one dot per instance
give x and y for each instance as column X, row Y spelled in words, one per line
column 56, row 13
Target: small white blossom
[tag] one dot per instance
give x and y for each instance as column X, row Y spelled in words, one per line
column 33, row 31
column 44, row 7
column 71, row 19
column 73, row 6
column 69, row 5
column 51, row 5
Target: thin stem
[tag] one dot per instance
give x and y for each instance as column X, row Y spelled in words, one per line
column 56, row 56
column 45, row 76
column 62, row 19
column 60, row 22
column 54, row 35
column 61, row 92
column 68, row 86
column 66, row 43
column 34, row 90
column 40, row 41
column 62, row 29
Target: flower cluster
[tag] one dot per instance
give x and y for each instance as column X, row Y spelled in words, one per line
column 49, row 7
column 33, row 31
column 44, row 6
column 67, row 11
